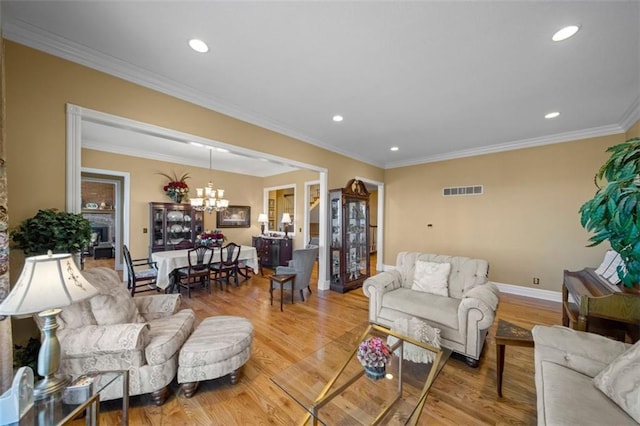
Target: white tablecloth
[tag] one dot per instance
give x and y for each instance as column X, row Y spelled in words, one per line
column 167, row 261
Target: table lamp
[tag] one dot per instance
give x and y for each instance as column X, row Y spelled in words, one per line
column 286, row 220
column 262, row 218
column 46, row 283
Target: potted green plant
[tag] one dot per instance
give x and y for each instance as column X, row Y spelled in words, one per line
column 54, row 230
column 613, row 213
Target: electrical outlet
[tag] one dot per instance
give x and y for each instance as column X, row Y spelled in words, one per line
column 536, row 281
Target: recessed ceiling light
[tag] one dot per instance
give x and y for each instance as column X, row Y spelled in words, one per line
column 338, row 118
column 222, row 150
column 565, row 33
column 552, row 114
column 394, row 148
column 198, row 45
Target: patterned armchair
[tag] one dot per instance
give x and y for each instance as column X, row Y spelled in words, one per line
column 113, row 331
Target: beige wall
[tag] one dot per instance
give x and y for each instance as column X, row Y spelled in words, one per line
column 634, row 131
column 526, row 223
column 40, row 85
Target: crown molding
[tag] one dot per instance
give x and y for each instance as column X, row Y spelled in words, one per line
column 39, row 39
column 510, row 146
column 36, row 38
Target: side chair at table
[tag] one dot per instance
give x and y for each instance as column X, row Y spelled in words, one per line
column 228, row 265
column 301, row 265
column 142, row 274
column 197, row 273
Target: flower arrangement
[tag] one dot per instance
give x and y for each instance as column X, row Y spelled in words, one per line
column 207, row 237
column 177, row 188
column 374, row 352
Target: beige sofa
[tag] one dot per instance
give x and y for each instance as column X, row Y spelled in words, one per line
column 566, row 363
column 463, row 313
column 113, row 331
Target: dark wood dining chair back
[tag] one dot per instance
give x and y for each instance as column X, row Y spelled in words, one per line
column 197, row 273
column 228, row 265
column 142, row 274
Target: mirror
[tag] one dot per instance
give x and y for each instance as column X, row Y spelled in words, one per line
column 278, row 201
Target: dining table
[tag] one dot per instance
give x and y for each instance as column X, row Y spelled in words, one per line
column 168, row 261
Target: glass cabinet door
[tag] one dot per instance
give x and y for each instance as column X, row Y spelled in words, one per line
column 157, row 215
column 356, row 249
column 178, row 226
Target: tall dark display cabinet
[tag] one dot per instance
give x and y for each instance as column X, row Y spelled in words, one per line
column 172, row 224
column 349, row 226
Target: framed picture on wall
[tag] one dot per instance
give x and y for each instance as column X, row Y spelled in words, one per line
column 234, row 217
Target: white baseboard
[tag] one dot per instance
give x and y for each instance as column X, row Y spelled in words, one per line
column 552, row 296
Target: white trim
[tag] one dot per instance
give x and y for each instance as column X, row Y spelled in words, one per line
column 74, row 152
column 323, row 250
column 50, row 43
column 265, row 205
column 75, row 115
column 510, row 146
column 534, row 293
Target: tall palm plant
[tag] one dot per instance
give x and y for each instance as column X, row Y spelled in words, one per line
column 613, row 213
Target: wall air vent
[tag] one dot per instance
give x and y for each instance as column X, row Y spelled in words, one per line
column 456, row 191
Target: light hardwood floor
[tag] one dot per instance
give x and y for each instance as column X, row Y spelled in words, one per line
column 460, row 395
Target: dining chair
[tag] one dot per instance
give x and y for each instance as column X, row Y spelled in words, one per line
column 142, row 274
column 228, row 265
column 262, row 251
column 301, row 265
column 197, row 273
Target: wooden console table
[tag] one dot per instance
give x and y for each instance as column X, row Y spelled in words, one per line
column 597, row 307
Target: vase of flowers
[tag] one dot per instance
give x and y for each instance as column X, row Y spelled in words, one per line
column 177, row 188
column 374, row 354
column 209, row 238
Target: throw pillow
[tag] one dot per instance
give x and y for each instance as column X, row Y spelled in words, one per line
column 620, row 381
column 76, row 315
column 115, row 307
column 431, row 277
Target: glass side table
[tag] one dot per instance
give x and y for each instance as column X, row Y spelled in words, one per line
column 54, row 411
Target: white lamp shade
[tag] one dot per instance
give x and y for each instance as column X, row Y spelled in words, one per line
column 286, row 218
column 47, row 282
column 262, row 218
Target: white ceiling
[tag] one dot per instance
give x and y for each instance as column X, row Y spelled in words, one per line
column 437, row 79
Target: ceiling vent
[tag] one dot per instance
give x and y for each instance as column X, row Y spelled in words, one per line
column 456, row 191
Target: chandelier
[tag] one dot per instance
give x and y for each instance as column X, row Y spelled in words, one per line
column 209, row 199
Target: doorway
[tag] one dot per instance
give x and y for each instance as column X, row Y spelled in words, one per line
column 102, row 195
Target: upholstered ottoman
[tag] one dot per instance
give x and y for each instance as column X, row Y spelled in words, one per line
column 219, row 346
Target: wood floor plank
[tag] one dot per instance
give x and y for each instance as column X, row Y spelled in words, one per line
column 460, row 395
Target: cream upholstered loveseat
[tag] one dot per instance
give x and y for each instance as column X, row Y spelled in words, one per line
column 463, row 312
column 113, row 331
column 584, row 378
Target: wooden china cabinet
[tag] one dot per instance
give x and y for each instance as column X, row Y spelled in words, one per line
column 171, row 224
column 349, row 227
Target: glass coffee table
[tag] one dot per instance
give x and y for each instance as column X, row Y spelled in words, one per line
column 330, row 383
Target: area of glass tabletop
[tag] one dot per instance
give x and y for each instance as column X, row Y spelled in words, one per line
column 331, row 385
